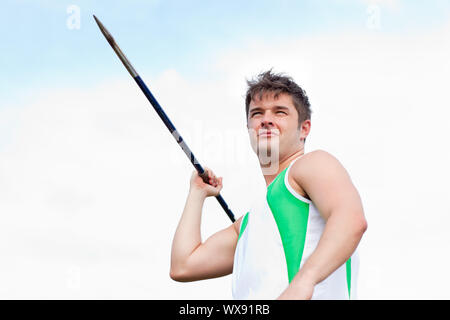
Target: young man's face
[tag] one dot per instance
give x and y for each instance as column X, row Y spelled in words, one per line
column 273, row 129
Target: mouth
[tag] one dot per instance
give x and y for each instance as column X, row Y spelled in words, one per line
column 267, row 134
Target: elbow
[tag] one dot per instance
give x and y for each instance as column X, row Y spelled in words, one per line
column 356, row 224
column 361, row 227
column 181, row 270
column 175, row 275
column 365, row 226
column 178, row 275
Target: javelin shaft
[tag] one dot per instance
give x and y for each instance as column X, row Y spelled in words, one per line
column 161, row 113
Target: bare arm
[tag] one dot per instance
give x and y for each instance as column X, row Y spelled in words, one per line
column 190, row 258
column 331, row 190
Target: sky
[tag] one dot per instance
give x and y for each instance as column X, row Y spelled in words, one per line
column 92, row 185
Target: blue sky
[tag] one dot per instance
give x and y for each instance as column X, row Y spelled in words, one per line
column 39, row 50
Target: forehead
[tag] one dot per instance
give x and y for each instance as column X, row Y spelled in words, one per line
column 270, row 99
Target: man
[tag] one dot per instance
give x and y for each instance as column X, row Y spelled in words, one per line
column 298, row 241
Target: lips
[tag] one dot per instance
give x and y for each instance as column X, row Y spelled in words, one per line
column 267, row 134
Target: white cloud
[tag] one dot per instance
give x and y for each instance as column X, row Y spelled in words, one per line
column 92, row 184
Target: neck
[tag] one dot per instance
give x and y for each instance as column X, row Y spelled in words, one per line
column 283, row 164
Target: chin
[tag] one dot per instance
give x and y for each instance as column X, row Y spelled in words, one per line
column 268, row 153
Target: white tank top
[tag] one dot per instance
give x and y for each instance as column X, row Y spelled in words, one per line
column 276, row 237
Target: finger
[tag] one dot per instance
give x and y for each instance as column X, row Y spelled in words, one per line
column 205, row 175
column 219, row 182
column 210, row 175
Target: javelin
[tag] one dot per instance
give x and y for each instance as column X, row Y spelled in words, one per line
column 202, row 173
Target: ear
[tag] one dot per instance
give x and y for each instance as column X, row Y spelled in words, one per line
column 305, row 127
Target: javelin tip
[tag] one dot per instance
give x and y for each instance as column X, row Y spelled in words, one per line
column 105, row 32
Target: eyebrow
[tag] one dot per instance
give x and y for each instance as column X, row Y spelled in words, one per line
column 260, row 109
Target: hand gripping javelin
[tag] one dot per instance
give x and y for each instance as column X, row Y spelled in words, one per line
column 202, row 173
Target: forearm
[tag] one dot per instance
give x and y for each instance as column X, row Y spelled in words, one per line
column 188, row 233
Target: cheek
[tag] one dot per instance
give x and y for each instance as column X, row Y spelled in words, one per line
column 251, row 123
column 252, row 132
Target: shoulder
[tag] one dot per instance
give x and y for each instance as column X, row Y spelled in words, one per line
column 317, row 167
column 315, row 161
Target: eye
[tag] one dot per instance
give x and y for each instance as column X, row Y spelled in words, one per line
column 254, row 113
column 281, row 112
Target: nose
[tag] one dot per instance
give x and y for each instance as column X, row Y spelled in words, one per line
column 266, row 121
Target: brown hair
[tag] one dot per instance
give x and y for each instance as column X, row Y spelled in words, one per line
column 278, row 83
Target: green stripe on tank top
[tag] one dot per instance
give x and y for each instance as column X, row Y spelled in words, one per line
column 348, row 268
column 243, row 225
column 291, row 216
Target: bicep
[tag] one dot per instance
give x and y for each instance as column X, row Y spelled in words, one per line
column 214, row 257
